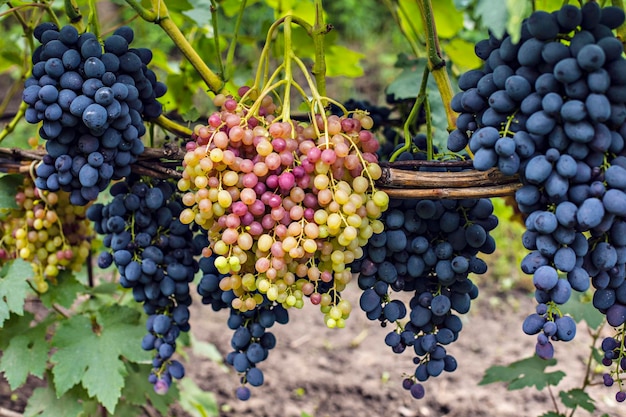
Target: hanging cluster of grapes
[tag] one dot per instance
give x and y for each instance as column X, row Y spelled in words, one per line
column 47, row 231
column 90, row 104
column 552, row 108
column 155, row 256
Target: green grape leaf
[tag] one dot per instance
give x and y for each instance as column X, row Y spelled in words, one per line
column 137, row 389
column 524, row 373
column 407, row 83
column 14, row 326
column 552, row 414
column 8, row 189
column 548, row 5
column 341, row 61
column 518, row 11
column 26, row 353
column 579, row 306
column 461, row 52
column 448, row 20
column 199, row 12
column 64, row 293
column 14, row 288
column 493, row 15
column 195, row 401
column 577, row 398
column 44, row 402
column 90, row 352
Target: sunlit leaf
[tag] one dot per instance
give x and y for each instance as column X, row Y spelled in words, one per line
column 527, row 372
column 461, row 52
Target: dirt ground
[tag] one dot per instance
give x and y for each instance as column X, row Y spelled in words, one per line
column 351, row 372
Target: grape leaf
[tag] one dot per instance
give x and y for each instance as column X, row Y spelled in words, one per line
column 524, row 373
column 195, row 401
column 26, row 353
column 14, row 288
column 64, row 293
column 581, row 309
column 44, row 402
column 577, row 398
column 137, row 389
column 518, row 11
column 8, row 189
column 90, row 353
column 341, row 61
column 199, row 12
column 457, row 49
column 493, row 15
column 552, row 414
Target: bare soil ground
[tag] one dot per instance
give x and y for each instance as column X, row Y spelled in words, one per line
column 351, row 372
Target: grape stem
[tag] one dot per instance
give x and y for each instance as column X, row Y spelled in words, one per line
column 10, row 127
column 73, row 12
column 421, row 97
column 230, row 55
column 161, row 17
column 318, row 31
column 216, row 37
column 172, row 126
column 410, row 38
column 436, row 63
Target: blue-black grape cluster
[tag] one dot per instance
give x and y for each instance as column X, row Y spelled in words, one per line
column 552, row 108
column 251, row 342
column 155, row 256
column 90, row 102
column 428, row 248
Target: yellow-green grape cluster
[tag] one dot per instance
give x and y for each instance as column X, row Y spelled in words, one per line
column 288, row 205
column 47, row 231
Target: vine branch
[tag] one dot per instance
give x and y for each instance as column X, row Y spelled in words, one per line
column 163, row 19
column 436, row 63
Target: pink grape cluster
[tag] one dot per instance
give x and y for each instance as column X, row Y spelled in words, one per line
column 288, row 205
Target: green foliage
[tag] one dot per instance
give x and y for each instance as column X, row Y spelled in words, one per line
column 108, row 338
column 14, row 288
column 196, row 402
column 8, row 188
column 44, row 402
column 529, row 372
column 577, row 398
column 580, row 308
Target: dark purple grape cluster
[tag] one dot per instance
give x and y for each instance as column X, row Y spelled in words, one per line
column 552, row 108
column 251, row 342
column 428, row 248
column 91, row 102
column 154, row 254
column 614, row 352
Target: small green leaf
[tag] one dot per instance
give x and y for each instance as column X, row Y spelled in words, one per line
column 195, row 401
column 64, row 293
column 552, row 414
column 493, row 15
column 341, row 61
column 461, row 53
column 579, row 306
column 524, row 373
column 90, row 353
column 577, row 398
column 200, row 12
column 407, row 84
column 518, row 11
column 14, row 288
column 45, row 403
column 137, row 389
column 8, row 190
column 26, row 353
